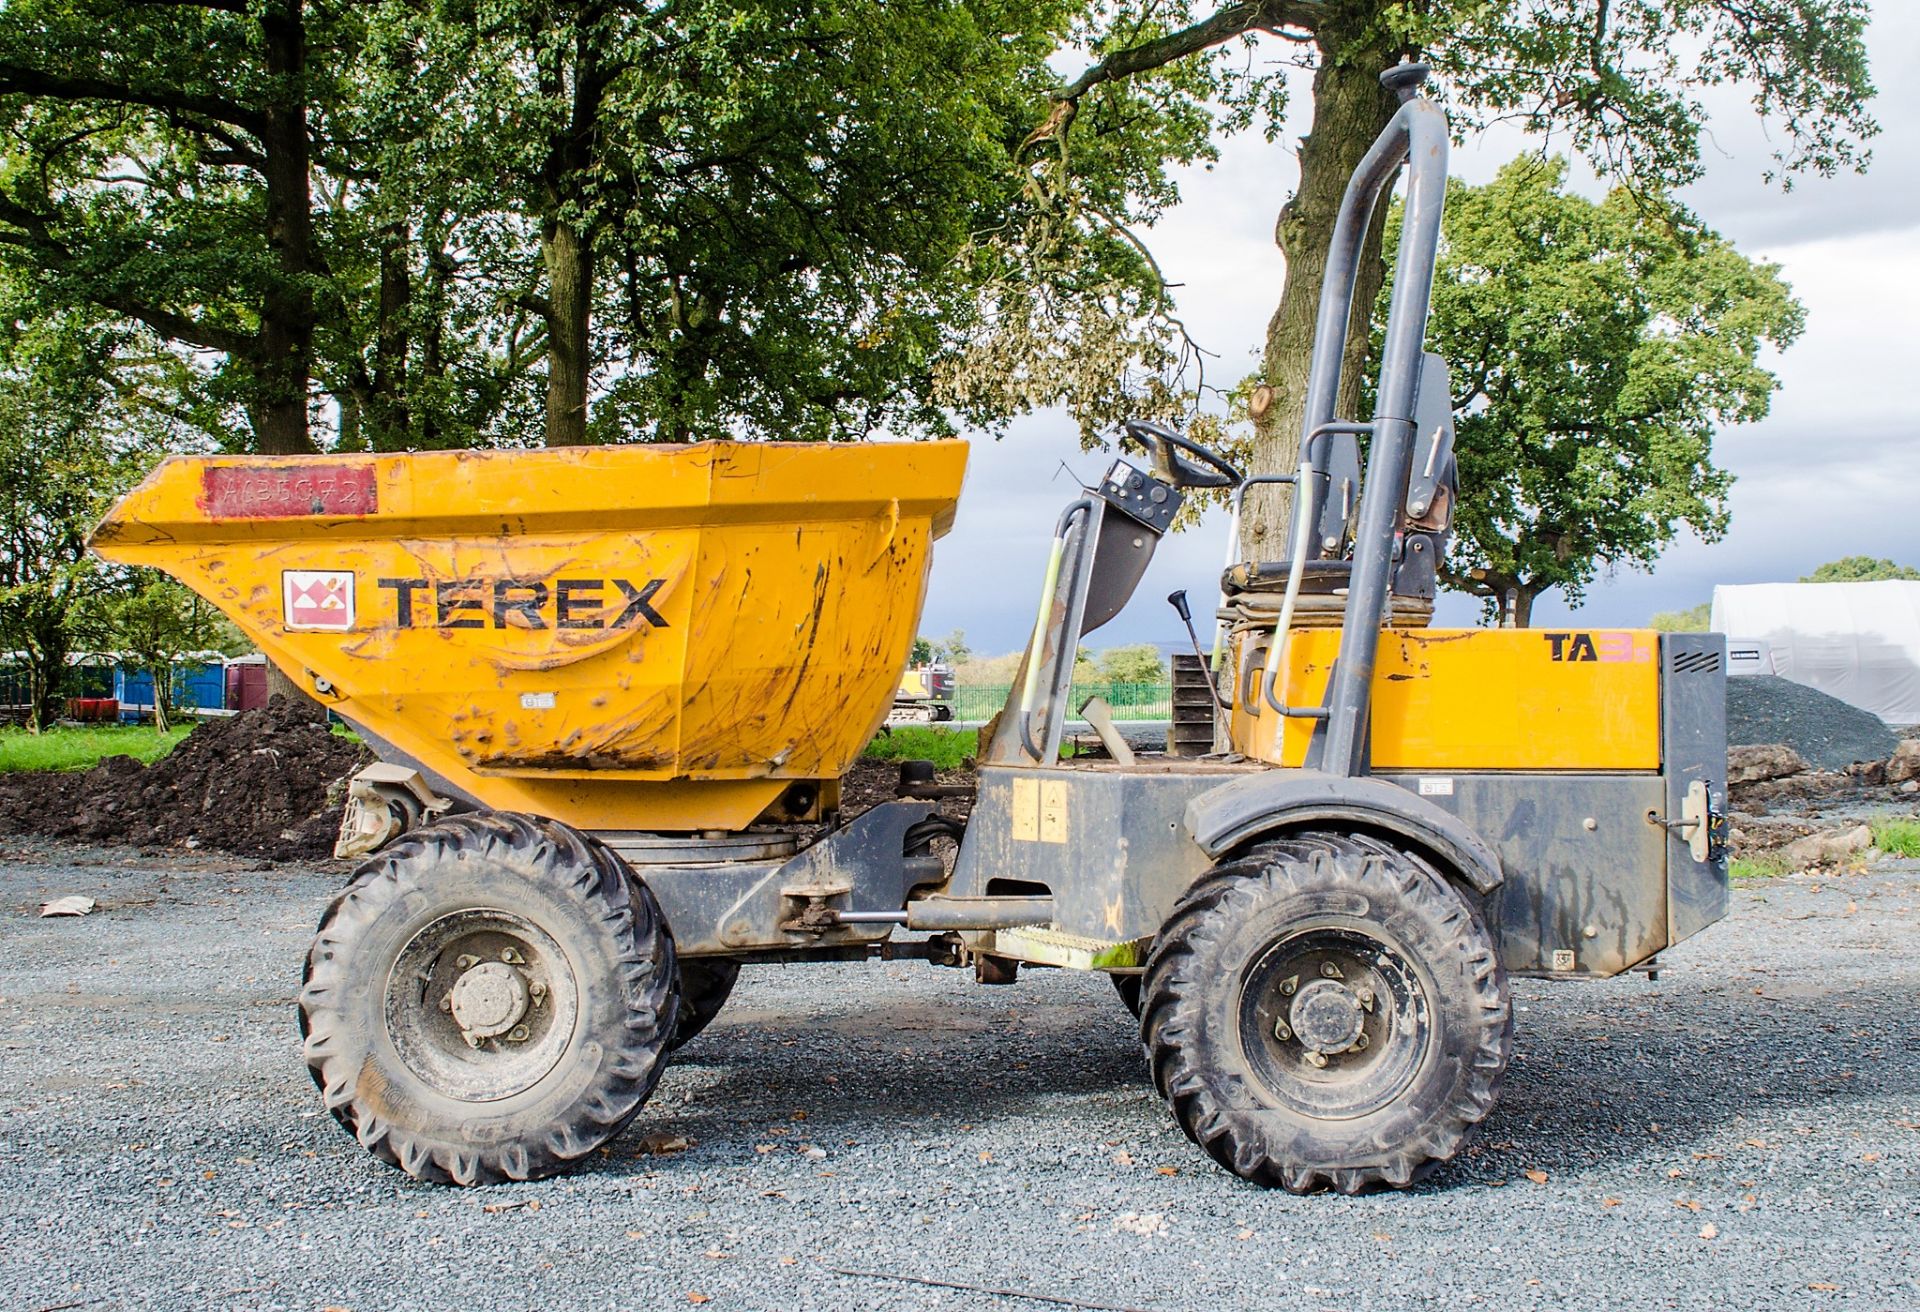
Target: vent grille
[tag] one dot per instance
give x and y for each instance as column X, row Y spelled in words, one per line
column 1696, row 662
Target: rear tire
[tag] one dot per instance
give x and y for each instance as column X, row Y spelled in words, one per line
column 490, row 999
column 705, row 985
column 1327, row 1012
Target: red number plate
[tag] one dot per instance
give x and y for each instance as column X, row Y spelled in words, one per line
column 287, row 491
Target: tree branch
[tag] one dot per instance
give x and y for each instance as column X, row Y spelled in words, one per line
column 35, row 235
column 17, row 79
column 224, row 6
column 1223, row 25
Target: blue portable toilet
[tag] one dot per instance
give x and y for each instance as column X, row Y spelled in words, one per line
column 198, row 684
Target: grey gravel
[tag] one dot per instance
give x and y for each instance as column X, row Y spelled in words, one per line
column 1743, row 1133
column 1829, row 733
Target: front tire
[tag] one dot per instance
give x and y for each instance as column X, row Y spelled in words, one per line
column 489, row 999
column 1327, row 1012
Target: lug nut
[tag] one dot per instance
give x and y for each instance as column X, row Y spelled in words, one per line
column 1317, row 1060
column 512, row 956
column 1281, row 1032
column 1288, row 985
column 1366, row 997
column 446, row 1003
column 1330, row 970
column 518, row 1034
column 466, row 961
column 1360, row 1043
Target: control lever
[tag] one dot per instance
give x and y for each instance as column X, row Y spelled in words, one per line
column 1178, row 600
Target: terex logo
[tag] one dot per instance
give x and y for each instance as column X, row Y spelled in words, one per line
column 523, row 603
column 1612, row 648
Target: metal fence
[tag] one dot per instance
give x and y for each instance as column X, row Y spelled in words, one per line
column 1130, row 701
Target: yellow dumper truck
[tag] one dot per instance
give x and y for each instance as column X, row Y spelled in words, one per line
column 613, row 691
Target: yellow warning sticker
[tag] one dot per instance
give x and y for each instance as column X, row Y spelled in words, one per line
column 1026, row 810
column 1053, row 811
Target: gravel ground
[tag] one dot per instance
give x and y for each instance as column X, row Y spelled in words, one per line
column 1745, row 1132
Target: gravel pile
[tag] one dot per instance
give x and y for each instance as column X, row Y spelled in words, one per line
column 1829, row 733
column 1740, row 1133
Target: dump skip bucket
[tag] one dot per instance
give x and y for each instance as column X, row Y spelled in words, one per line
column 635, row 637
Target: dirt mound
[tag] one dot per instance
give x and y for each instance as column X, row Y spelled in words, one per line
column 259, row 783
column 1829, row 733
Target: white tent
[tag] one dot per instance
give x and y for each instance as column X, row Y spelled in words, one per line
column 1859, row 642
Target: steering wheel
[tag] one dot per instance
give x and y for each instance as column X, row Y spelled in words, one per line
column 1170, row 451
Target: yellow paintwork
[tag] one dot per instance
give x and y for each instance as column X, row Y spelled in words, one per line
column 1484, row 699
column 786, row 579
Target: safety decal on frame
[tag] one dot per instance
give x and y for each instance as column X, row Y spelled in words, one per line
column 317, row 598
column 1040, row 810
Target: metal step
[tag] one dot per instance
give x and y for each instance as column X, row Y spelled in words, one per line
column 1191, row 732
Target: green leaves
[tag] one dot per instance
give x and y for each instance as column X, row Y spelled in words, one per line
column 1626, row 79
column 426, row 223
column 1596, row 349
column 69, row 442
column 1860, row 569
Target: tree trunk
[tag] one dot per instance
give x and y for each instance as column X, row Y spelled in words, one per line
column 285, row 363
column 44, row 670
column 1350, row 107
column 566, row 234
column 1520, row 607
column 162, row 695
column 569, row 260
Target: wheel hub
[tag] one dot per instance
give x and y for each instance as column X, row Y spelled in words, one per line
column 489, row 999
column 481, row 1004
column 1326, row 1016
column 1333, row 1018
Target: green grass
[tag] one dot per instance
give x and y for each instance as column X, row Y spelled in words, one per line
column 1896, row 835
column 80, row 747
column 1765, row 866
column 946, row 748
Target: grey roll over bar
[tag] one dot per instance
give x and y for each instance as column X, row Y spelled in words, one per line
column 1416, row 137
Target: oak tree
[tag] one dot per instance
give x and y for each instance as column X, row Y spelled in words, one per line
column 1595, row 349
column 159, row 168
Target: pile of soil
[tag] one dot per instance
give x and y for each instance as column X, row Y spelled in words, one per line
column 1829, row 733
column 262, row 783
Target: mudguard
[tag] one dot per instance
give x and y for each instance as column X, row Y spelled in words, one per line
column 1256, row 805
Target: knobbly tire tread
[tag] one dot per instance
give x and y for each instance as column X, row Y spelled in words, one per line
column 705, row 985
column 634, row 1026
column 1190, row 1066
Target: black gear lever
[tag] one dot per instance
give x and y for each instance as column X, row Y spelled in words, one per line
column 1178, row 600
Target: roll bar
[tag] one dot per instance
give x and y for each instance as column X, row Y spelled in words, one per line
column 1416, row 136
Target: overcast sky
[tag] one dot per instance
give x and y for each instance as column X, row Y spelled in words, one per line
column 1833, row 471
